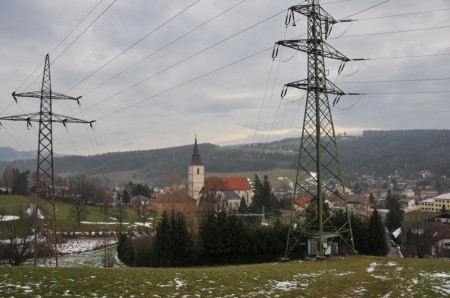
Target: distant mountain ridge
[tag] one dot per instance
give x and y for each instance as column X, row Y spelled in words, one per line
column 10, row 154
column 374, row 152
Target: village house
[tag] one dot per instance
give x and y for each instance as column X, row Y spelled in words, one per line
column 407, row 203
column 141, row 203
column 426, row 193
column 436, row 204
column 443, row 217
column 300, row 204
column 175, row 201
column 229, row 191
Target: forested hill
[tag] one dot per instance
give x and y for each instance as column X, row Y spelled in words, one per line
column 380, row 152
column 409, row 151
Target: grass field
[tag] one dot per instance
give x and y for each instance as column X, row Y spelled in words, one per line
column 352, row 277
column 13, row 204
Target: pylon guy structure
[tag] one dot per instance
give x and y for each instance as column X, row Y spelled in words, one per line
column 45, row 182
column 322, row 221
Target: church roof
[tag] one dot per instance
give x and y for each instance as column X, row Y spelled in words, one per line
column 227, row 183
column 196, row 160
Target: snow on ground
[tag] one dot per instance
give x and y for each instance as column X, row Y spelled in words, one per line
column 371, row 267
column 8, row 218
column 102, row 223
column 83, row 245
column 31, row 210
column 442, row 282
column 147, row 224
column 285, row 286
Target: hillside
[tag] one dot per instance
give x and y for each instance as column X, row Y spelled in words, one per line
column 379, row 152
column 360, row 276
column 9, row 154
column 408, row 151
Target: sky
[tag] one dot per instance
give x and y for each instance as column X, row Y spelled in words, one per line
column 155, row 74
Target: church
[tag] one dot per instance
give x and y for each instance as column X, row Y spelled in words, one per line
column 226, row 191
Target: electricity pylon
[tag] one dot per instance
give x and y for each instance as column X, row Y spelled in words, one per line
column 319, row 176
column 45, row 182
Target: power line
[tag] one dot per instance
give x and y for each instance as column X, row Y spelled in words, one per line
column 366, row 9
column 165, row 46
column 396, row 81
column 407, row 92
column 58, row 44
column 403, row 14
column 270, row 104
column 85, row 29
column 184, row 60
column 409, row 56
column 334, row 2
column 134, row 44
column 184, row 83
column 73, row 41
column 394, row 32
column 17, row 142
column 90, row 10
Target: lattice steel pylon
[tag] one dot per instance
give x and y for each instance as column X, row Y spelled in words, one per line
column 45, row 182
column 319, row 184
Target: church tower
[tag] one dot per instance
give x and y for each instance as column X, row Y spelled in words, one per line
column 196, row 174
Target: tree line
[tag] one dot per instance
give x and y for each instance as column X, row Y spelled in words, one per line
column 225, row 238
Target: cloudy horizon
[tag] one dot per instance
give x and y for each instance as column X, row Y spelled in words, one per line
column 183, row 68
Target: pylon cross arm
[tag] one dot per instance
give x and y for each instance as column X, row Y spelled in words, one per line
column 304, row 45
column 330, row 87
column 37, row 94
column 31, row 117
column 309, row 9
column 67, row 119
column 57, row 118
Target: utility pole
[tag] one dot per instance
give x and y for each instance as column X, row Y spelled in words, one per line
column 45, row 182
column 319, row 174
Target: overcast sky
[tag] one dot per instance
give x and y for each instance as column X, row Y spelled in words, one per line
column 199, row 77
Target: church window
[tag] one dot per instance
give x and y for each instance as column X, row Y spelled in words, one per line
column 198, row 171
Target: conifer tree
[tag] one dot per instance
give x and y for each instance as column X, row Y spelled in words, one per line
column 181, row 243
column 162, row 241
column 242, row 205
column 376, row 240
column 173, row 242
column 395, row 216
column 257, row 201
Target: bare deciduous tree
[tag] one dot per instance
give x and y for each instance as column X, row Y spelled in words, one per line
column 17, row 243
column 78, row 211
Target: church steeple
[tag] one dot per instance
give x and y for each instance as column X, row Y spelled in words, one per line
column 196, row 160
column 196, row 174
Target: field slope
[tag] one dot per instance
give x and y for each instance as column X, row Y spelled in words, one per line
column 352, row 277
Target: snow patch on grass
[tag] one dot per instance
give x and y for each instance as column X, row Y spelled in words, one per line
column 8, row 217
column 360, row 290
column 343, row 273
column 83, row 245
column 372, row 267
column 285, row 286
column 381, row 277
column 441, row 282
column 179, row 283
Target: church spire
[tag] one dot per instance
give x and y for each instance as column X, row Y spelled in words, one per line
column 196, row 160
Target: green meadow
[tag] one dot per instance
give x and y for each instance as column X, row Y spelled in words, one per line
column 359, row 276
